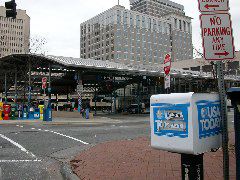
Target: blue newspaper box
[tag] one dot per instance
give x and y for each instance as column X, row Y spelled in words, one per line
column 25, row 113
column 37, row 113
column 187, row 123
column 47, row 114
column 31, row 113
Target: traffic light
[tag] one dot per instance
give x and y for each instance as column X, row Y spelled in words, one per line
column 11, row 10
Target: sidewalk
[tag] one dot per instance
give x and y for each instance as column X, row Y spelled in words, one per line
column 64, row 118
column 136, row 160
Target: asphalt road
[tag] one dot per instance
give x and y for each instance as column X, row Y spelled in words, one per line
column 37, row 151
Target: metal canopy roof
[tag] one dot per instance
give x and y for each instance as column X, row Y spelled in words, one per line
column 131, row 69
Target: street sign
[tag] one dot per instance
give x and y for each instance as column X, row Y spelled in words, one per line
column 44, row 79
column 167, row 64
column 217, row 36
column 213, row 5
column 44, row 83
column 167, row 81
column 79, row 88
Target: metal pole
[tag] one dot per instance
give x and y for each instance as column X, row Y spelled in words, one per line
column 79, row 93
column 5, row 86
column 179, row 85
column 222, row 94
column 95, row 103
column 29, row 84
column 111, row 102
column 49, row 85
column 190, row 85
column 138, row 97
column 237, row 139
column 124, row 99
column 114, row 96
column 115, row 102
column 192, row 167
column 174, row 85
column 15, row 87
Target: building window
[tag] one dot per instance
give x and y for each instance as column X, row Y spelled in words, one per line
column 137, row 21
column 118, row 17
column 175, row 23
column 143, row 22
column 180, row 24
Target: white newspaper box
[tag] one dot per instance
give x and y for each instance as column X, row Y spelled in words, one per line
column 186, row 122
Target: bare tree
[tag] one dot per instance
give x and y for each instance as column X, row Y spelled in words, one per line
column 213, row 65
column 37, row 45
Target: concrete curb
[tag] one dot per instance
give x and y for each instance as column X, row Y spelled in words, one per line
column 109, row 121
column 67, row 173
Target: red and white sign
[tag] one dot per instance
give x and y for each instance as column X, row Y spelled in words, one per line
column 44, row 79
column 213, row 5
column 167, row 64
column 44, row 83
column 217, row 36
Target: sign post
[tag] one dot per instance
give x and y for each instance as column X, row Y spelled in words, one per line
column 79, row 91
column 44, row 84
column 218, row 45
column 167, row 69
column 222, row 94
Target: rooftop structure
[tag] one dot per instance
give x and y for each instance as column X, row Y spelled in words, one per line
column 156, row 8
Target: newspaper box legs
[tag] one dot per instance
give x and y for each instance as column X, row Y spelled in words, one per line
column 189, row 124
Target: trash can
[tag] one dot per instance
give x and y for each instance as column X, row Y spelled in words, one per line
column 6, row 111
column 1, row 110
column 41, row 110
column 47, row 114
column 20, row 111
column 13, row 112
column 25, row 112
column 31, row 113
column 37, row 113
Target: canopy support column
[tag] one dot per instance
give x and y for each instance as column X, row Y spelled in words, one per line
column 5, row 87
column 124, row 99
column 15, row 86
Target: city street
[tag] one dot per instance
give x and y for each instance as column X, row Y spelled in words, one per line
column 130, row 89
column 37, row 151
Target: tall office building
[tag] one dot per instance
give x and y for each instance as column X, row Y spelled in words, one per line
column 122, row 35
column 156, row 8
column 14, row 33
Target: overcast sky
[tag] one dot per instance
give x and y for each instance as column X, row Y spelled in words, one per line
column 59, row 21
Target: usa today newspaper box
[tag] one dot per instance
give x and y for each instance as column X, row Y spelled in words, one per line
column 186, row 122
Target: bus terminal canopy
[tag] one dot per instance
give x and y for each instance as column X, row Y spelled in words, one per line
column 65, row 73
column 10, row 62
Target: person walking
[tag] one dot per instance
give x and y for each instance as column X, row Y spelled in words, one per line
column 87, row 108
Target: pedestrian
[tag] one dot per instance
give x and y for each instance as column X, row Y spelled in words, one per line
column 87, row 108
column 83, row 107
